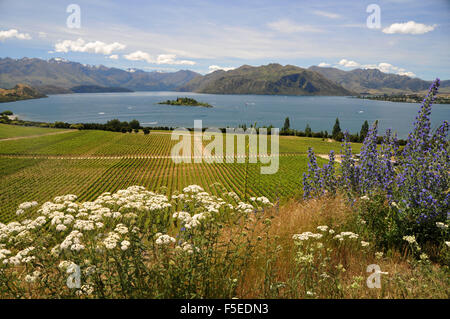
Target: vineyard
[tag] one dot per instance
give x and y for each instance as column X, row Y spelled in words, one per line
column 88, row 163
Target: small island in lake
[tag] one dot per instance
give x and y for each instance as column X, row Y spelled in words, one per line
column 186, row 102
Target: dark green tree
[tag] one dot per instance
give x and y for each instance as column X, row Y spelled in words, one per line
column 134, row 124
column 287, row 124
column 364, row 131
column 336, row 130
column 308, row 131
column 114, row 125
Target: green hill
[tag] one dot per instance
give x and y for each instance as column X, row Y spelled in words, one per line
column 273, row 79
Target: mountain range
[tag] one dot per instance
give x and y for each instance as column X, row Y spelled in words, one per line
column 51, row 76
column 59, row 76
column 375, row 81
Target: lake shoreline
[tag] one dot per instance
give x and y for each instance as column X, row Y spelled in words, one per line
column 319, row 112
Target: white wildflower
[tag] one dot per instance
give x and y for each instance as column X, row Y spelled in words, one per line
column 192, row 189
column 124, row 245
column 121, row 229
column 410, row 239
column 441, row 225
column 306, row 236
column 364, row 243
column 19, row 212
column 61, row 227
column 164, row 240
column 110, row 242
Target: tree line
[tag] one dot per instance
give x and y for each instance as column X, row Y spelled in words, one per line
column 116, row 125
column 336, row 133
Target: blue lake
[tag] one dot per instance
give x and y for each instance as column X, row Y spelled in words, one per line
column 229, row 110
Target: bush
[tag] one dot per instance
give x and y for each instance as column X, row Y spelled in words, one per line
column 415, row 193
column 133, row 243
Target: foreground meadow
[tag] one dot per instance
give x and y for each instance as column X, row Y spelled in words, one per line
column 139, row 244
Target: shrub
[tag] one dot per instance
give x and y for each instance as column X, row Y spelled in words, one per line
column 415, row 193
column 133, row 243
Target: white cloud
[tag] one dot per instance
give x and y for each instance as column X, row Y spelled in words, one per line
column 324, row 64
column 409, row 27
column 326, row 14
column 389, row 68
column 114, row 57
column 349, row 64
column 13, row 33
column 382, row 66
column 138, row 56
column 160, row 59
column 42, row 35
column 287, row 26
column 410, row 74
column 170, row 59
column 91, row 47
column 213, row 68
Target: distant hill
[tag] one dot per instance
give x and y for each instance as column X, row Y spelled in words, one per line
column 98, row 89
column 267, row 79
column 374, row 81
column 58, row 75
column 19, row 92
column 52, row 89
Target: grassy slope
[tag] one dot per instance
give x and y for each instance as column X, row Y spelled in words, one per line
column 24, row 179
column 401, row 278
column 7, row 131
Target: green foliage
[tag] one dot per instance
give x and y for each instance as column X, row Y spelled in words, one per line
column 77, row 126
column 134, row 124
column 287, row 124
column 308, row 132
column 186, row 101
column 336, row 130
column 364, row 131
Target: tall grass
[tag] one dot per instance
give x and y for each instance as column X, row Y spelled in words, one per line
column 139, row 244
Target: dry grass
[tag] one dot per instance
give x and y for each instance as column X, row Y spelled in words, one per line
column 274, row 261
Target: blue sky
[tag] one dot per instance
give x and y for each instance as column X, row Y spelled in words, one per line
column 207, row 35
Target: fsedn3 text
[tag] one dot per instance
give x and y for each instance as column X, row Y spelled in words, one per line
column 228, row 308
